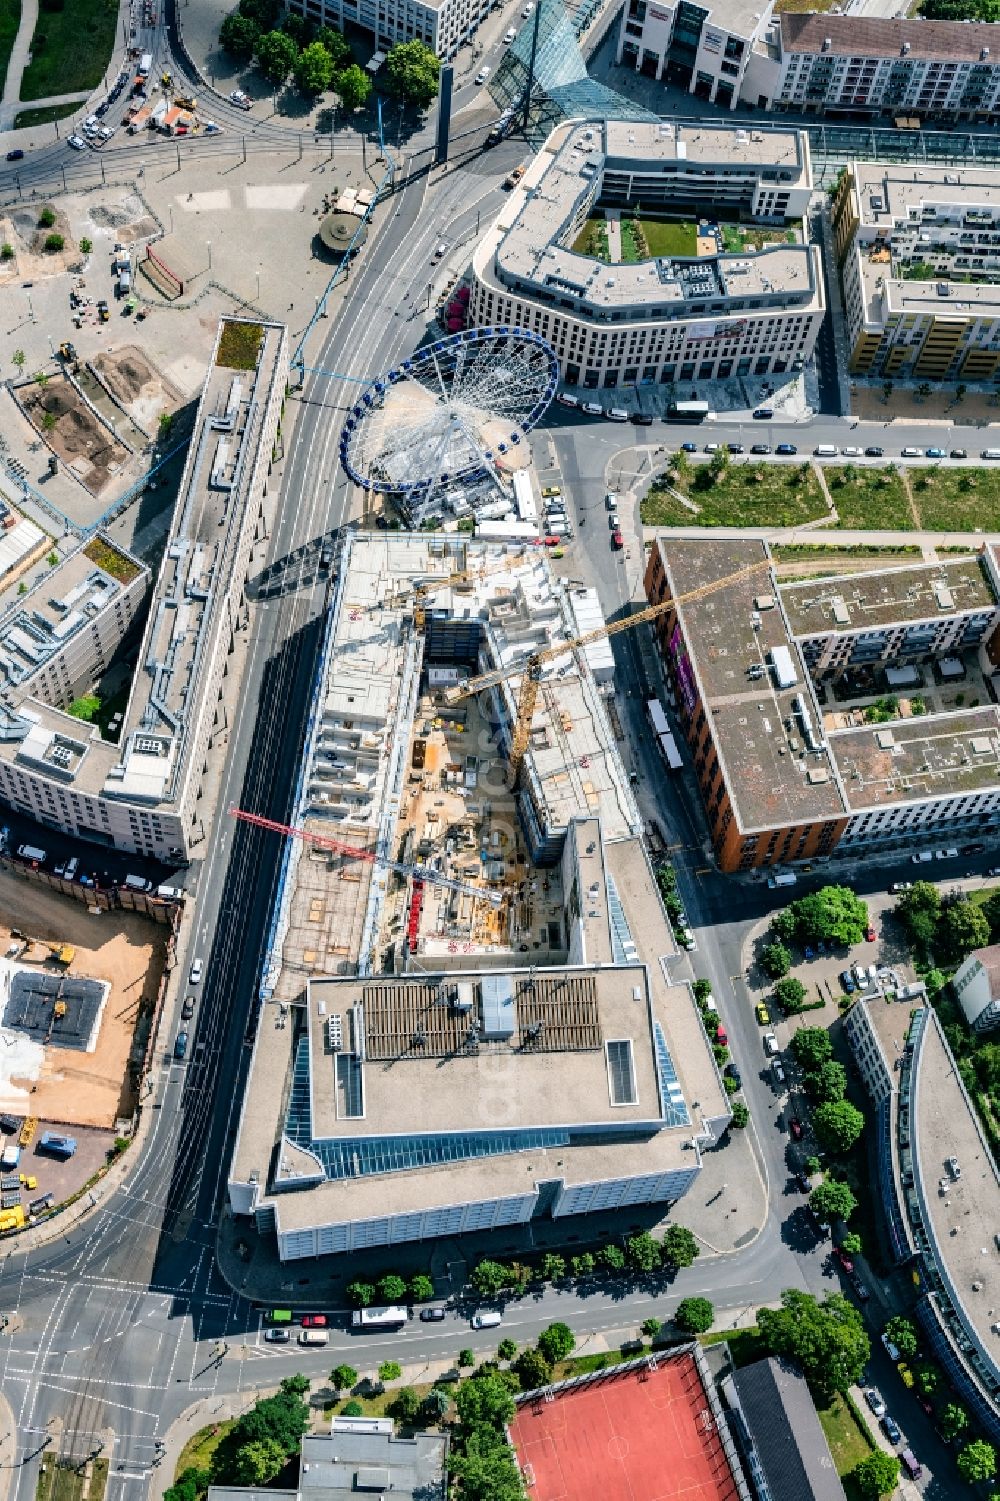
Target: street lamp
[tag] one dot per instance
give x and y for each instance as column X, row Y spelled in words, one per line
column 209, row 245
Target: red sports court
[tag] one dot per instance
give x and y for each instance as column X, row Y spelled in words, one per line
column 635, row 1433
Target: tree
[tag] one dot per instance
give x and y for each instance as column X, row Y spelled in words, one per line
column 977, row 1461
column 239, row 35
column 775, row 960
column 352, row 1409
column 827, row 1339
column 877, row 1474
column 831, row 1201
column 314, row 69
column 741, row 1115
column 790, row 994
column 295, row 1386
column 389, row 1370
column 961, row 928
column 811, row 1048
column 297, row 27
column 47, row 217
column 828, row 1082
column 412, row 71
column 490, row 1278
column 257, row 1463
column 553, row 1267
column 486, row 1468
column 851, row 1244
column 343, row 1377
column 719, row 462
column 650, row 1328
column 485, row 1401
column 190, row 1485
column 421, row 1288
column 361, row 1294
column 533, row 1369
column 919, row 908
column 831, row 915
column 582, row 1266
column 86, row 246
column 276, row 54
column 694, row 1315
column 924, row 390
column 928, row 1378
column 903, row 1335
column 54, row 242
column 48, row 421
column 954, row 1421
column 783, row 924
column 506, row 1349
column 405, row 1405
column 679, row 1247
column 335, row 46
column 436, row 1404
column 642, row 1253
column 18, row 358
column 556, row 1342
column 838, row 1125
column 466, row 1358
column 390, row 1288
column 264, row 12
column 354, row 86
column 611, row 1259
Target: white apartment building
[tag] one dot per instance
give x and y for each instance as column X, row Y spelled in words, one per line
column 443, row 27
column 141, row 795
column 919, row 251
column 707, row 49
column 668, row 318
column 976, row 984
column 861, row 65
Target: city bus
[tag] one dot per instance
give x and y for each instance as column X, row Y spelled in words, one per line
column 660, row 726
column 379, row 1318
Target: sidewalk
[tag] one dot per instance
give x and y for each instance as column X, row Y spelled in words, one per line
column 19, row 55
column 30, row 136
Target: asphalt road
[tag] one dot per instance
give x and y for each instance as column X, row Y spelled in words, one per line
column 119, row 1325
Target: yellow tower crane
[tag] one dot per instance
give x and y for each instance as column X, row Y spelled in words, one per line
column 529, row 669
column 418, row 593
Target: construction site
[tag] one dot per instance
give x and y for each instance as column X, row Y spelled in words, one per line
column 462, row 807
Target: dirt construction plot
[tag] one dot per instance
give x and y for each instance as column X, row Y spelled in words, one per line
column 26, row 235
column 78, row 436
column 142, row 390
column 122, row 948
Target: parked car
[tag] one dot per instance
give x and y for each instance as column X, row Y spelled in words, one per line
column 15, row 156
column 733, row 1073
column 77, row 142
column 513, row 178
column 847, row 981
column 890, row 1348
column 763, row 1015
column 786, row 448
column 689, row 448
column 277, row 1336
column 314, row 1321
column 196, row 971
column 898, row 887
column 763, row 414
column 844, row 1259
column 873, row 451
column 935, row 453
column 509, row 35
column 240, row 99
column 959, row 453
column 711, row 448
column 187, row 1010
column 875, row 1401
column 760, row 448
column 860, row 1288
column 431, row 1315
column 770, row 1044
column 735, row 447
column 550, row 490
column 973, row 849
column 616, row 541
column 891, row 1428
column 804, row 1181
column 795, row 1126
column 641, row 419
column 778, row 1072
column 685, row 938
column 181, row 1045
column 870, row 934
column 721, row 1035
column 484, row 73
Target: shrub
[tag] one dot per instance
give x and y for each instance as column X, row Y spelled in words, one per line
column 47, row 217
column 54, row 242
column 775, row 960
column 694, row 1315
column 352, row 1409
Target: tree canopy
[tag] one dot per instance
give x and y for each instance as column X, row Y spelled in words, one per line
column 238, row 35
column 961, row 928
column 354, row 86
column 335, row 44
column 485, row 1400
column 838, row 1125
column 412, row 71
column 556, row 1342
column 919, row 908
column 642, row 1253
column 827, row 1339
column 679, row 1247
column 790, row 994
column 343, row 1377
column 903, row 1334
column 314, row 69
column 828, row 1082
column 391, row 1288
column 694, row 1315
column 877, row 1474
column 489, row 1278
column 276, row 55
column 831, row 1201
column 421, row 1288
column 271, row 1430
column 831, row 915
column 977, row 1461
column 811, row 1047
column 533, row 1369
column 775, row 960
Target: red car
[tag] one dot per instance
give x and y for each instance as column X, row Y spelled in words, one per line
column 616, row 540
column 870, row 933
column 721, row 1036
column 314, row 1321
column 844, row 1259
column 795, row 1126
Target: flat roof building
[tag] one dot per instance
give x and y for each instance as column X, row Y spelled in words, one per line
column 442, row 25
column 756, row 666
column 939, row 1189
column 141, row 795
column 358, row 1456
column 919, row 262
column 664, row 318
column 976, row 983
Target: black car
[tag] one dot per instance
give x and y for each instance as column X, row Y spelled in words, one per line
column 642, row 419
column 735, row 447
column 733, row 1073
column 760, row 448
column 431, row 1315
column 804, row 1182
column 689, row 447
column 891, row 1429
column 786, row 448
column 15, row 156
column 958, row 453
column 763, row 414
column 973, row 849
column 874, row 452
column 187, row 1010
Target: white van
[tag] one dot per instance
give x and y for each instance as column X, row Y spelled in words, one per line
column 783, row 878
column 826, row 450
column 137, row 883
column 593, row 409
column 921, row 857
column 72, row 866
column 314, row 1337
column 486, row 1318
column 616, row 414
column 990, row 453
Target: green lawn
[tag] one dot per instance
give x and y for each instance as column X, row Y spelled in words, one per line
column 70, row 48
column 849, row 1444
column 670, row 239
column 43, row 116
column 593, row 238
column 745, row 495
column 744, row 1344
column 869, row 499
column 10, row 15
column 63, row 1480
column 807, row 552
column 960, row 500
column 197, row 1452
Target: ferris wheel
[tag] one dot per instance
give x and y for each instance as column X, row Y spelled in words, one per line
column 458, row 408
